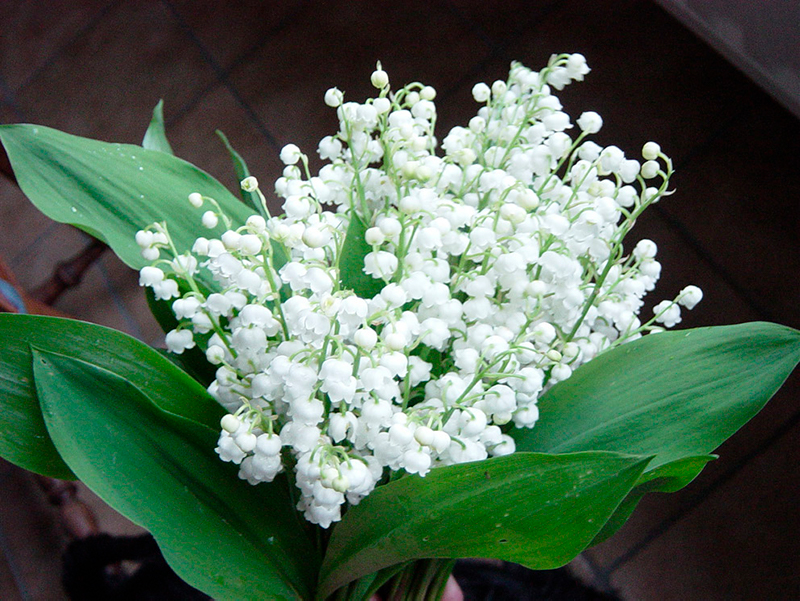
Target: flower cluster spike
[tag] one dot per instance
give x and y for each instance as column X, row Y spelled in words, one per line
column 498, row 264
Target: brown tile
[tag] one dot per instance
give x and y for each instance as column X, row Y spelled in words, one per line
column 503, row 20
column 739, row 199
column 337, row 45
column 740, row 543
column 32, row 537
column 681, row 266
column 110, row 295
column 22, row 222
column 721, row 305
column 8, row 586
column 194, row 140
column 35, row 31
column 230, row 33
column 106, row 83
column 651, row 78
column 108, row 520
column 37, row 256
column 657, row 513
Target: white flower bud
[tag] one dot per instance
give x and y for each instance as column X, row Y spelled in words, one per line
column 441, row 440
column 210, row 219
column 553, row 355
column 477, row 124
column 499, row 88
column 590, row 122
column 424, row 436
column 527, row 199
column 690, row 296
column 249, row 184
column 256, row 223
column 179, row 341
column 650, row 151
column 512, row 213
column 410, row 204
column 334, row 97
column 144, row 239
column 628, row 170
column 246, row 441
column 196, row 200
column 400, row 434
column 290, row 154
column 650, row 169
column 340, row 484
column 268, row 444
column 382, row 105
column 250, row 244
column 379, row 78
column 150, row 276
column 374, row 236
column 215, row 354
column 366, row 338
column 645, row 249
column 481, row 92
column 230, row 423
column 395, row 341
column 313, row 237
column 232, row 240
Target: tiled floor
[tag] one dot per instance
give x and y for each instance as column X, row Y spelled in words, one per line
column 258, row 70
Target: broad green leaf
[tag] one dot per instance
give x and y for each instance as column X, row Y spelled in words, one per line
column 113, row 190
column 351, row 263
column 533, row 509
column 670, row 477
column 223, row 536
column 23, row 436
column 242, row 171
column 155, row 138
column 673, row 395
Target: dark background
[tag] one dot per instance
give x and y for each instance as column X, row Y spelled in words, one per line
column 258, row 71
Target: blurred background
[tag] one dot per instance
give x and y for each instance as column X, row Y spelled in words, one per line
column 715, row 83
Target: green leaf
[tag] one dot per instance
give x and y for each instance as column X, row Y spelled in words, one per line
column 351, row 263
column 241, row 170
column 23, row 437
column 223, row 536
column 366, row 586
column 533, row 509
column 673, row 395
column 155, row 138
column 670, row 477
column 113, row 190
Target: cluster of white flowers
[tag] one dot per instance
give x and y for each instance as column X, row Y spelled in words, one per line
column 495, row 270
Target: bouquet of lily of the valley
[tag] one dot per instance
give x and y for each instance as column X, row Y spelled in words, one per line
column 436, row 351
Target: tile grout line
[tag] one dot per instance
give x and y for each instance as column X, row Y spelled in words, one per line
column 606, row 572
column 472, row 25
column 133, row 323
column 237, row 62
column 16, row 575
column 93, row 22
column 10, row 101
column 679, row 228
column 222, row 76
column 702, row 495
column 496, row 49
column 16, row 260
